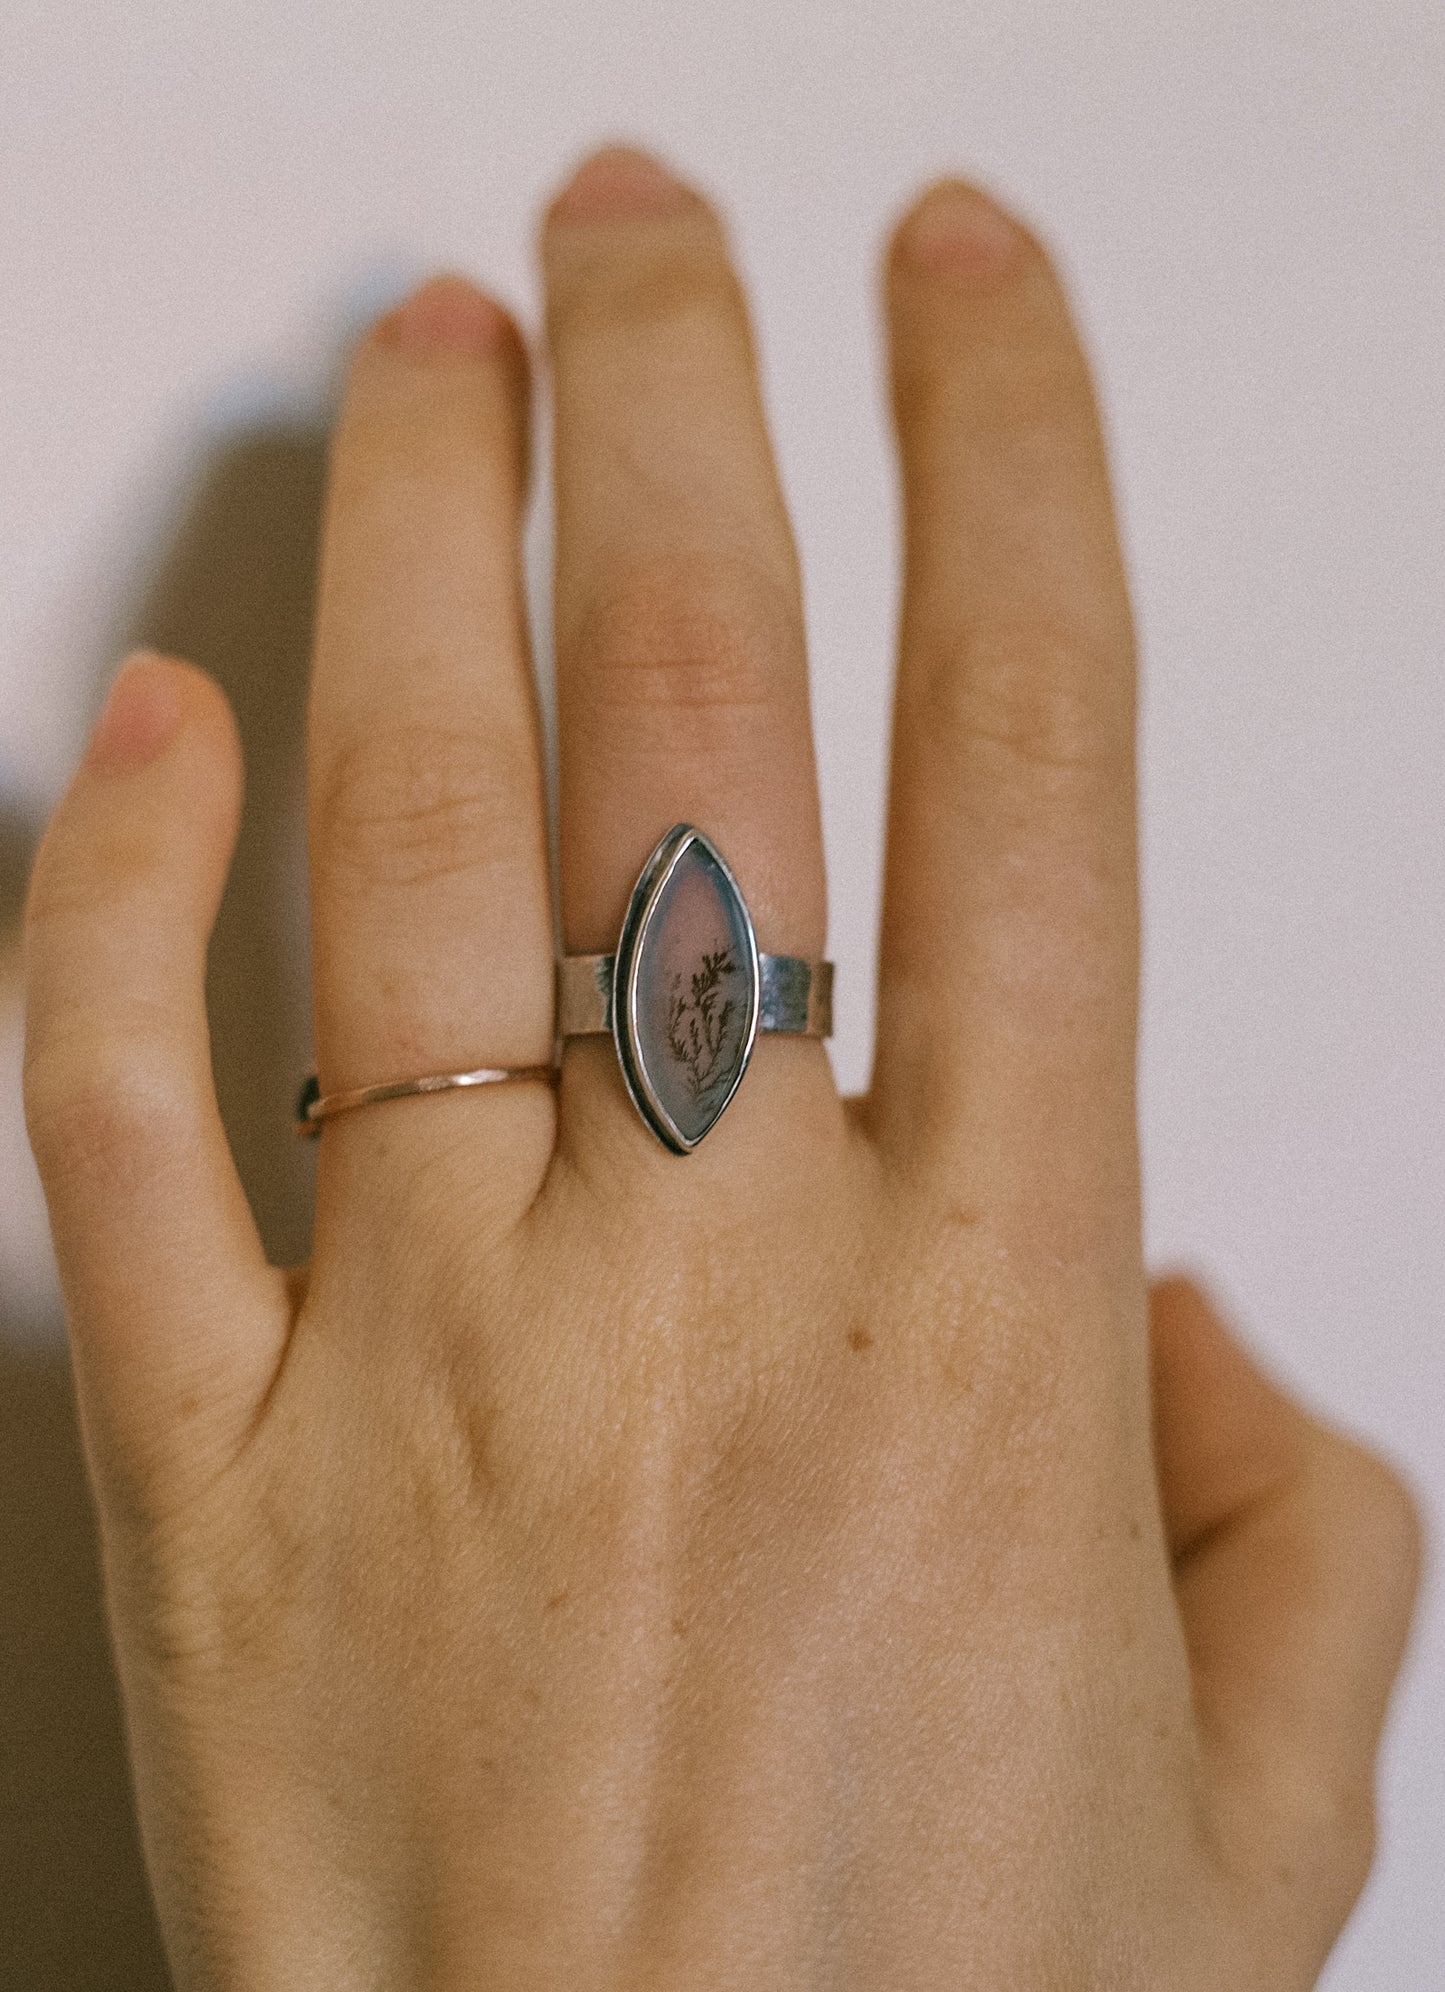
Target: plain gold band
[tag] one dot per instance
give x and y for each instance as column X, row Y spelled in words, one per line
column 315, row 1107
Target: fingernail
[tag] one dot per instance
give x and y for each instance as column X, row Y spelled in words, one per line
column 447, row 315
column 619, row 184
column 141, row 713
column 956, row 230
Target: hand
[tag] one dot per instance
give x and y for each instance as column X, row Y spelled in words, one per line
column 599, row 1569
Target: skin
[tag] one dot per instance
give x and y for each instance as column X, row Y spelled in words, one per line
column 822, row 1562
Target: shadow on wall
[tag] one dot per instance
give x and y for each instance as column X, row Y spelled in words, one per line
column 231, row 588
column 15, row 850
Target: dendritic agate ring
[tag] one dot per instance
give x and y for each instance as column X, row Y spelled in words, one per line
column 687, row 991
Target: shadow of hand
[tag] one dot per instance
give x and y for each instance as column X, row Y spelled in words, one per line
column 231, row 589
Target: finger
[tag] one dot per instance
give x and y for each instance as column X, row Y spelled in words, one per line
column 177, row 1322
column 1007, row 999
column 430, row 917
column 682, row 683
column 1296, row 1559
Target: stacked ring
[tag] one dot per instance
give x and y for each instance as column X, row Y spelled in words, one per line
column 684, row 997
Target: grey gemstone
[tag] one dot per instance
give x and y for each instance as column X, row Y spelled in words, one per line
column 687, row 980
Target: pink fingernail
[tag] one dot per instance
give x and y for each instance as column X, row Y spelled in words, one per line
column 956, row 230
column 447, row 315
column 619, row 184
column 141, row 714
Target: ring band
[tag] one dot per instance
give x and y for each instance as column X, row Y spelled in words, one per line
column 684, row 998
column 796, row 996
column 313, row 1106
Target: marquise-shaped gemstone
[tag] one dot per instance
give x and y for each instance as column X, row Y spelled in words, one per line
column 685, row 1004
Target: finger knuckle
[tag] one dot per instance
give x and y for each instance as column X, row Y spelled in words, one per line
column 69, row 885
column 1310, row 1829
column 1037, row 700
column 1339, row 1827
column 397, row 453
column 685, row 283
column 1387, row 1511
column 1021, row 390
column 101, row 1105
column 707, row 633
column 417, row 803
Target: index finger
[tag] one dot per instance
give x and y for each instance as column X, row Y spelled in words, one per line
column 430, row 912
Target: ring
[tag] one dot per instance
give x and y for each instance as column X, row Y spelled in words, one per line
column 313, row 1106
column 687, row 991
column 684, row 998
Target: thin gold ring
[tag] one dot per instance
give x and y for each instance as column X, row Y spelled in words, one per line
column 313, row 1107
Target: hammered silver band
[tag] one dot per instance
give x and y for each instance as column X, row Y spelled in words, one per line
column 795, row 996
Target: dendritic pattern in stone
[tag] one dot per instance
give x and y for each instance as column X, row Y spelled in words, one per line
column 685, row 1006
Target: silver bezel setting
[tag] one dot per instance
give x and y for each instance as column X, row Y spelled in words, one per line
column 640, row 909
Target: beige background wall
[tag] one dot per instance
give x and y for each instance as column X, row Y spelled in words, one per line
column 198, row 201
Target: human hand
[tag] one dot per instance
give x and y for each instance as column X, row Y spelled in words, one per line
column 602, row 1569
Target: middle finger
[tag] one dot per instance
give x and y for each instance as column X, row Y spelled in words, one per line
column 682, row 683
